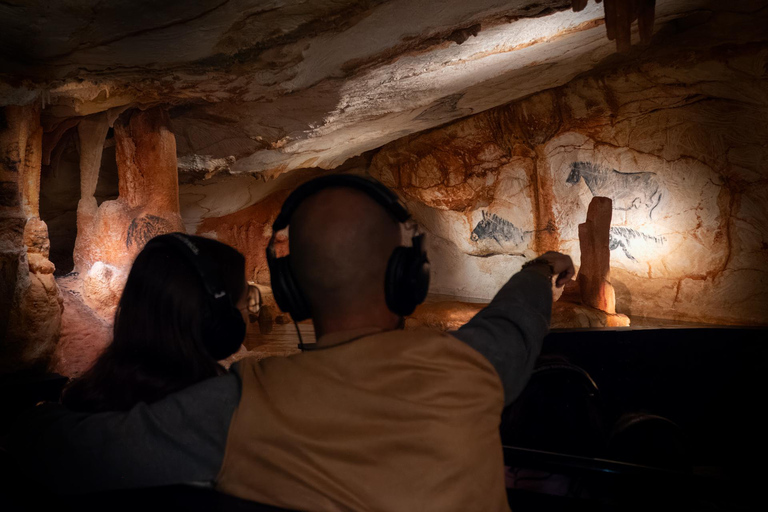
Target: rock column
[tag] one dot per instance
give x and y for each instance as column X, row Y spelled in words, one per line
column 595, row 270
column 112, row 234
column 30, row 301
column 91, row 131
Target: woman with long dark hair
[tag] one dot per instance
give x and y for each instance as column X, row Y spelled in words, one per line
column 179, row 314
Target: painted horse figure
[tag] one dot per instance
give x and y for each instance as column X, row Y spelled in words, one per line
column 501, row 230
column 627, row 190
column 621, row 237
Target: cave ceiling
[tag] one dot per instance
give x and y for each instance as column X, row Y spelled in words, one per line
column 272, row 86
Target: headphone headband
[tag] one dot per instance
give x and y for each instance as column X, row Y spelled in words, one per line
column 212, row 284
column 224, row 331
column 407, row 276
column 378, row 192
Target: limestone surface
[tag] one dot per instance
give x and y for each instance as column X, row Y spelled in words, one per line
column 110, row 235
column 679, row 148
column 291, row 84
column 30, row 300
column 496, row 121
column 595, row 265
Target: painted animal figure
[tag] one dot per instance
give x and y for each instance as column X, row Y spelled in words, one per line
column 145, row 228
column 627, row 190
column 620, row 236
column 501, row 230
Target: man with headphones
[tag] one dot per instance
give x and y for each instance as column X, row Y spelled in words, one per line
column 370, row 417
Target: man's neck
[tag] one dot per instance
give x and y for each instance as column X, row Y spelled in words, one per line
column 337, row 324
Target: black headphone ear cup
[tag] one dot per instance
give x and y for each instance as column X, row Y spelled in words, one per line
column 224, row 332
column 287, row 294
column 392, row 280
column 407, row 280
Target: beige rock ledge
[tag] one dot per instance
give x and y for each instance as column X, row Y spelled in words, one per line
column 566, row 315
column 305, row 84
column 450, row 315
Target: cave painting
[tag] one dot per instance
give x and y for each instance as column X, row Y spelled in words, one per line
column 145, row 228
column 501, row 230
column 621, row 237
column 627, row 190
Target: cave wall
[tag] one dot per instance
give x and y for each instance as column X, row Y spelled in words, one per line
column 678, row 145
column 30, row 300
column 673, row 130
column 110, row 235
column 111, row 232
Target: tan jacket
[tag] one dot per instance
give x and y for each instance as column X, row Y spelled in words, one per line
column 400, row 421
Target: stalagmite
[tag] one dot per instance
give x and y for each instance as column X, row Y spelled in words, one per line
column 110, row 235
column 595, row 270
column 590, row 301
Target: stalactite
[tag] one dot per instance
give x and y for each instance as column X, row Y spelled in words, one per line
column 619, row 15
column 92, row 131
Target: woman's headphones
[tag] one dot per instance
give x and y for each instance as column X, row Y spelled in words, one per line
column 407, row 278
column 224, row 331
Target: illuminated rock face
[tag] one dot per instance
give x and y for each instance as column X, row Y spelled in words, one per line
column 673, row 133
column 595, row 270
column 110, row 235
column 248, row 230
column 30, row 301
column 292, row 84
column 590, row 300
column 679, row 149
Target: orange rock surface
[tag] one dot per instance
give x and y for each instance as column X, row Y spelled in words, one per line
column 30, row 301
column 110, row 235
column 148, row 203
column 249, row 231
column 687, row 179
column 444, row 316
column 595, row 270
column 568, row 315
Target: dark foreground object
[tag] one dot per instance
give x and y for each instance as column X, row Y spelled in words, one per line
column 643, row 419
column 648, row 419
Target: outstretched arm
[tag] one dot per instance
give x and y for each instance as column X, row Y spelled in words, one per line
column 510, row 330
column 175, row 440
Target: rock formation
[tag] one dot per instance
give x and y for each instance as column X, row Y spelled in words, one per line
column 302, row 84
column 497, row 122
column 443, row 315
column 249, row 231
column 110, row 235
column 590, row 300
column 595, row 268
column 30, row 301
column 681, row 159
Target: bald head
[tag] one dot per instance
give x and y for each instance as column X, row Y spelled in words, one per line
column 340, row 243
